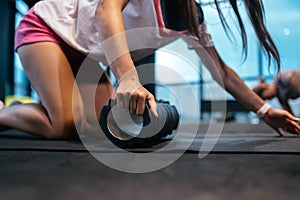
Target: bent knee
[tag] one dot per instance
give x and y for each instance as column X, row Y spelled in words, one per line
column 67, row 126
column 63, row 130
column 71, row 124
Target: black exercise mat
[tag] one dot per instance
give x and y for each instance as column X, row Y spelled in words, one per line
column 16, row 140
column 229, row 141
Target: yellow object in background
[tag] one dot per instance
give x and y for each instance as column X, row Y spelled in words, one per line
column 22, row 99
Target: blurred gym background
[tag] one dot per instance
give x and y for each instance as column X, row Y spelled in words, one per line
column 282, row 21
column 248, row 162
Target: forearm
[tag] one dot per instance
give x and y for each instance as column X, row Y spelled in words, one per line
column 279, row 120
column 229, row 80
column 112, row 34
column 241, row 92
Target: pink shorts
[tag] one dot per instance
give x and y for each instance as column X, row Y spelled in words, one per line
column 33, row 29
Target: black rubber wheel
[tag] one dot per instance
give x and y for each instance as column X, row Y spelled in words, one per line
column 165, row 110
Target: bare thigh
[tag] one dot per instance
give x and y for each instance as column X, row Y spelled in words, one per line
column 50, row 74
column 51, row 71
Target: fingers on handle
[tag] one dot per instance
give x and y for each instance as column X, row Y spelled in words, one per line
column 137, row 103
column 153, row 107
column 133, row 105
column 120, row 102
column 140, row 107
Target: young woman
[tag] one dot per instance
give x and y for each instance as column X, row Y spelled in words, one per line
column 285, row 86
column 55, row 36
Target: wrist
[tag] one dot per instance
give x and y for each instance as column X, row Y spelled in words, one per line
column 263, row 110
column 128, row 80
column 123, row 68
column 128, row 77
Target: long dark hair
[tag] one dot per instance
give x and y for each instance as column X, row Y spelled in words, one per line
column 256, row 13
column 188, row 14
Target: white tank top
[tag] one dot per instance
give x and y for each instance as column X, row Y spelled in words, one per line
column 73, row 20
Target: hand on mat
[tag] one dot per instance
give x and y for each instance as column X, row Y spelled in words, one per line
column 132, row 96
column 282, row 121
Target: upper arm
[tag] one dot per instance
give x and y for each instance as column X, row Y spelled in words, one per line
column 109, row 17
column 214, row 63
column 106, row 5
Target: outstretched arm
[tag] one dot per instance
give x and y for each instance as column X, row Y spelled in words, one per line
column 279, row 120
column 130, row 93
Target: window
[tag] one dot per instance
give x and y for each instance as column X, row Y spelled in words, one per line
column 282, row 26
